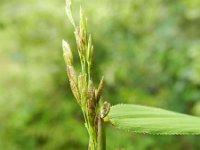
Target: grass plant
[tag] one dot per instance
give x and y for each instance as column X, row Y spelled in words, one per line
column 130, row 117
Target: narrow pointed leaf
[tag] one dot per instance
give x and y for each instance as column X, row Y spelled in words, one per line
column 143, row 119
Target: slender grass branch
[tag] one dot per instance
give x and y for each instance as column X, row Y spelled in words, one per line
column 87, row 96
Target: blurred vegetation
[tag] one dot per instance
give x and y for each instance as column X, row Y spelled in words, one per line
column 148, row 51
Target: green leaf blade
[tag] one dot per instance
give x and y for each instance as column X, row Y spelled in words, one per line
column 143, row 119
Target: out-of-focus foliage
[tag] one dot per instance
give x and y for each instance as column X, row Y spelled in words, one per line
column 148, row 51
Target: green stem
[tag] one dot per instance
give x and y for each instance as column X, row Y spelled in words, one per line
column 101, row 137
column 89, row 67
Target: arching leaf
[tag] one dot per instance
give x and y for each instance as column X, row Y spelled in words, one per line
column 143, row 119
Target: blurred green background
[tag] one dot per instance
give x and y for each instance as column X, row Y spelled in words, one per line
column 148, row 51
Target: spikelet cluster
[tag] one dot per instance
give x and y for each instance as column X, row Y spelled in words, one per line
column 82, row 86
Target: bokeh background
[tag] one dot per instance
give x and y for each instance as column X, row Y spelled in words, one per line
column 148, row 51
